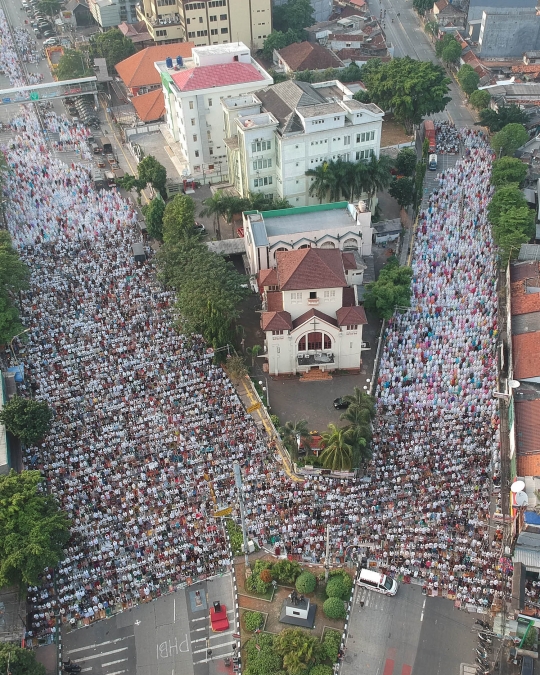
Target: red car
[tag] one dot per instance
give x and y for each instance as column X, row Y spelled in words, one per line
column 218, row 617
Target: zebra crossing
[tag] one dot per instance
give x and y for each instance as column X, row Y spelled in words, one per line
column 365, row 597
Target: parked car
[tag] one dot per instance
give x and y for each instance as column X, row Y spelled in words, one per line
column 49, row 34
column 37, row 33
column 50, row 42
column 340, row 403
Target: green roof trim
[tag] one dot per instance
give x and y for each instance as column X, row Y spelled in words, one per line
column 299, row 210
column 166, row 81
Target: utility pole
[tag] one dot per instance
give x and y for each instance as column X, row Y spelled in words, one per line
column 238, row 483
column 327, row 555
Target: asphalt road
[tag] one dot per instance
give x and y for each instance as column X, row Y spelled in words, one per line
column 170, row 635
column 407, row 634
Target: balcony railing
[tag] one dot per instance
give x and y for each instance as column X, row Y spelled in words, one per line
column 155, row 22
column 315, row 359
column 313, row 301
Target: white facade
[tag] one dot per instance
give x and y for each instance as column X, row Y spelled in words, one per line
column 105, row 12
column 193, row 109
column 270, row 155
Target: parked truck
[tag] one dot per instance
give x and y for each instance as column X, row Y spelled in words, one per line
column 429, row 129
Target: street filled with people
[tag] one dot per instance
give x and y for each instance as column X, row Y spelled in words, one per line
column 147, row 427
column 447, row 138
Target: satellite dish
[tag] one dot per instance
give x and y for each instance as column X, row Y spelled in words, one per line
column 514, row 384
column 517, row 486
column 522, row 499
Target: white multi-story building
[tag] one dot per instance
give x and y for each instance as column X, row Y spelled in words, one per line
column 109, row 13
column 193, row 90
column 276, row 134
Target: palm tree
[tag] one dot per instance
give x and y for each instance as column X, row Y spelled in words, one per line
column 295, row 435
column 338, row 449
column 254, row 352
column 214, row 206
column 359, row 432
column 362, row 400
column 432, row 29
column 320, row 185
column 378, row 176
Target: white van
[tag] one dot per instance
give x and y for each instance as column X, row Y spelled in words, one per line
column 432, row 163
column 377, row 582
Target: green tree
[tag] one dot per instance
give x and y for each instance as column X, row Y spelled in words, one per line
column 320, row 185
column 254, row 352
column 286, row 571
column 392, row 289
column 508, row 170
column 295, row 15
column 406, row 161
column 152, row 172
column 337, row 447
column 423, row 6
column 331, row 645
column 337, row 587
column 72, row 65
column 306, row 583
column 112, row 46
column 402, row 190
column 153, row 214
column 362, row 400
column 236, row 367
column 33, row 529
column 215, row 207
column 358, row 429
column 377, row 175
column 178, row 219
column 512, row 221
column 452, row 52
column 495, row 120
column 334, row 608
column 299, row 650
column 258, row 201
column 278, row 40
column 509, row 139
column 49, row 7
column 362, row 95
column 432, row 29
column 441, row 44
column 505, row 199
column 468, row 79
column 295, row 435
column 26, row 418
column 321, row 669
column 410, row 88
column 14, row 277
column 262, row 659
column 253, row 621
column 479, row 99
column 18, row 661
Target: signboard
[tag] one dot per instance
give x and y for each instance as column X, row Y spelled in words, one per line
column 253, row 408
column 223, row 512
column 34, row 96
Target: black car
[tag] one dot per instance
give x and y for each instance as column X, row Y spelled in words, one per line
column 340, row 403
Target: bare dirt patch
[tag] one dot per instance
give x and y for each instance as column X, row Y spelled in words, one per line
column 393, row 133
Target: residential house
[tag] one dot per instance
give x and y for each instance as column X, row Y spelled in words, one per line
column 305, row 56
column 208, row 23
column 519, row 93
column 531, row 58
column 138, row 72
column 507, row 32
column 136, row 32
column 276, row 134
column 193, row 90
column 338, row 225
column 446, row 14
column 310, row 317
column 150, row 107
column 77, row 13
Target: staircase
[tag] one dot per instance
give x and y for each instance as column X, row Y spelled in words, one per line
column 315, row 375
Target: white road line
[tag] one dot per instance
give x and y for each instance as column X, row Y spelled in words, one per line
column 98, row 656
column 85, row 670
column 422, row 616
column 220, row 634
column 197, row 630
column 111, row 663
column 99, row 644
column 202, row 618
column 174, row 610
column 225, row 644
column 117, row 672
column 199, row 640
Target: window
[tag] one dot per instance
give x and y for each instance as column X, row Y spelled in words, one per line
column 192, row 122
column 262, row 164
column 196, row 153
column 195, row 137
column 213, row 18
column 191, row 105
column 365, row 154
column 214, row 31
column 161, row 33
column 313, row 295
column 260, row 182
column 201, row 19
column 191, row 33
column 211, row 151
column 329, row 295
column 217, row 3
column 223, row 17
column 209, row 102
column 366, row 136
column 224, row 31
column 296, row 298
column 197, row 168
column 166, row 3
column 260, row 146
column 317, row 121
column 202, row 33
column 277, row 332
column 352, row 327
column 346, row 140
column 188, row 21
column 302, row 344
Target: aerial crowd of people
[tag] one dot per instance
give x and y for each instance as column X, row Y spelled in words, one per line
column 146, row 427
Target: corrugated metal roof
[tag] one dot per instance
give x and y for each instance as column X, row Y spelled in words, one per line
column 531, row 559
column 259, row 233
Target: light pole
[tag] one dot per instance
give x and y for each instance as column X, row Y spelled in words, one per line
column 11, row 344
column 238, row 483
column 265, row 389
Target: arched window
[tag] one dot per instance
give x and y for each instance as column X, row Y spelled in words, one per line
column 350, row 245
column 281, row 249
column 327, row 341
column 328, row 244
column 305, row 246
column 302, row 344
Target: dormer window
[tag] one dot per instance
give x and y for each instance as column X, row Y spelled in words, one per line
column 313, row 295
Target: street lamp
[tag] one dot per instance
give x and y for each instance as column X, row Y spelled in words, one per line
column 266, row 390
column 27, row 330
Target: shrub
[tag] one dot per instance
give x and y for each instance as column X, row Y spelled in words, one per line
column 253, row 621
column 261, row 565
column 306, row 583
column 263, row 661
column 256, row 585
column 345, row 580
column 286, row 571
column 321, row 670
column 335, row 588
column 331, row 645
column 235, row 536
column 334, row 608
column 266, row 576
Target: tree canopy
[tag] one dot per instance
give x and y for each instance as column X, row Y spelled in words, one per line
column 112, row 46
column 49, row 7
column 72, row 65
column 508, row 170
column 441, row 44
column 392, row 289
column 14, row 277
column 512, row 221
column 295, row 15
column 337, row 446
column 452, row 52
column 495, row 120
column 402, row 190
column 18, row 661
column 479, row 99
column 410, row 88
column 423, row 6
column 406, row 161
column 153, row 214
column 152, row 172
column 298, row 649
column 509, row 139
column 33, row 529
column 468, row 78
column 278, row 40
column 26, row 418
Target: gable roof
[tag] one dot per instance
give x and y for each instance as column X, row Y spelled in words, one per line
column 309, row 56
column 283, row 98
column 276, row 321
column 274, row 301
column 526, row 355
column 351, row 316
column 220, row 75
column 310, row 268
column 151, row 106
column 441, row 4
column 527, row 428
column 522, row 302
column 139, row 71
column 268, row 277
column 310, row 314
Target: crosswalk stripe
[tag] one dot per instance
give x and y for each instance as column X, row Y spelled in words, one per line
column 214, row 647
column 99, row 644
column 111, row 663
column 98, row 656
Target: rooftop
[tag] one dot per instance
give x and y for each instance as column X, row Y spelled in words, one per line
column 308, row 56
column 138, row 70
column 253, row 121
column 276, row 321
column 151, row 106
column 528, row 428
column 220, row 75
column 310, row 268
column 526, row 355
column 281, row 223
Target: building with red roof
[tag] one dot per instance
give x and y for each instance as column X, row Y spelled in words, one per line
column 193, row 89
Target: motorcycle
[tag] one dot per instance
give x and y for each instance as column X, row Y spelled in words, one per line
column 484, row 638
column 482, row 671
column 71, row 667
column 484, row 624
column 482, row 653
column 482, row 663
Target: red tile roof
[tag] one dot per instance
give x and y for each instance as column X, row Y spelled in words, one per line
column 528, row 465
column 308, row 56
column 139, row 71
column 441, row 4
column 267, row 277
column 524, row 303
column 533, row 68
column 151, row 106
column 274, row 301
column 528, row 427
column 349, row 261
column 314, row 313
column 276, row 321
column 524, row 270
column 220, row 75
column 310, row 268
column 526, row 355
column 351, row 316
column 358, row 3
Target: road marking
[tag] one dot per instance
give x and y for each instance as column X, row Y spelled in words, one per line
column 388, row 667
column 197, row 630
column 99, row 644
column 406, row 670
column 117, row 672
column 225, row 644
column 98, row 656
column 202, row 618
column 174, row 610
column 111, row 663
column 85, row 670
column 199, row 640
